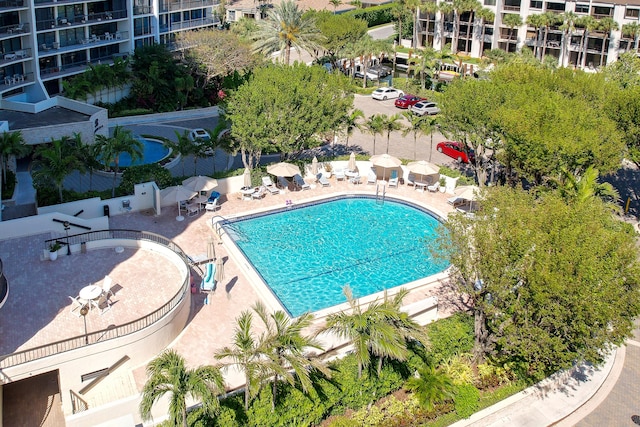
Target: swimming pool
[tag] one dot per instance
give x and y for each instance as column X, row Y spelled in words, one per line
column 153, row 152
column 307, row 254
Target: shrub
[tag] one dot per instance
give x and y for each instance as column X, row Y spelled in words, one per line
column 451, row 336
column 375, row 15
column 459, row 368
column 144, row 173
column 454, row 173
column 9, row 186
column 466, row 400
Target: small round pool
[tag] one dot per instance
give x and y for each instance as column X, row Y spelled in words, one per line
column 153, row 152
column 306, row 254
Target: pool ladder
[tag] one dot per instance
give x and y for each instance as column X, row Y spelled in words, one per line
column 380, row 194
column 217, row 223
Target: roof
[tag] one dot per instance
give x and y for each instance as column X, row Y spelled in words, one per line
column 51, row 116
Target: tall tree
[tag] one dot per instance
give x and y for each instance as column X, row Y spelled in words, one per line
column 606, row 25
column 473, row 7
column 568, row 27
column 182, row 146
column 284, row 28
column 391, row 124
column 536, row 20
column 11, row 144
column 168, row 374
column 632, row 29
column 54, row 161
column 486, row 16
column 335, row 4
column 374, row 126
column 415, row 127
column 352, row 122
column 588, row 23
column 445, row 9
column 121, row 141
column 549, row 19
column 512, row 21
column 287, row 347
column 531, row 265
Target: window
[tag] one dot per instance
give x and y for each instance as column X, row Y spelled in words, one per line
column 489, row 2
column 559, row 7
column 600, row 12
column 632, row 13
column 582, row 8
column 535, row 4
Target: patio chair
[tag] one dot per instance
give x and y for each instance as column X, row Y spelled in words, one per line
column 299, row 183
column 433, row 188
column 76, row 305
column 393, row 181
column 268, row 184
column 339, row 174
column 355, row 179
column 283, row 183
column 262, row 191
column 372, row 178
column 322, row 180
column 102, row 300
column 212, row 205
column 208, row 283
column 410, row 179
column 106, row 286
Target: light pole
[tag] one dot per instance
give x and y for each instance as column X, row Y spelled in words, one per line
column 66, row 230
column 83, row 312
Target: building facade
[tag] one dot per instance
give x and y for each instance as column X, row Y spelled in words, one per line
column 44, row 42
column 584, row 34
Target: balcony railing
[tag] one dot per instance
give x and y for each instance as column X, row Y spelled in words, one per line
column 14, row 56
column 63, row 23
column 15, row 81
column 14, row 29
column 54, row 72
column 142, row 10
column 194, row 23
column 112, row 332
column 10, row 4
column 187, row 4
column 77, row 44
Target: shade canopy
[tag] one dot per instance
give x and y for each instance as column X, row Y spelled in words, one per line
column 352, row 161
column 283, row 169
column 469, row 192
column 247, row 177
column 314, row 166
column 423, row 168
column 385, row 161
column 176, row 194
column 219, row 274
column 200, row 183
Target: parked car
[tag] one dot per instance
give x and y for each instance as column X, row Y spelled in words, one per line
column 408, row 101
column 425, row 107
column 373, row 72
column 456, row 150
column 384, row 93
column 198, row 133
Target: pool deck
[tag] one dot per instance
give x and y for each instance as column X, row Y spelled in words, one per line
column 137, row 272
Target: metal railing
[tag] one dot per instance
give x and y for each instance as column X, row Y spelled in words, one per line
column 4, row 285
column 77, row 403
column 103, row 335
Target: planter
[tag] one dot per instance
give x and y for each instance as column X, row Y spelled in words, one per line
column 53, row 255
column 443, row 189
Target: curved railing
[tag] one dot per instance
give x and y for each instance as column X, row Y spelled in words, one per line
column 4, row 285
column 103, row 335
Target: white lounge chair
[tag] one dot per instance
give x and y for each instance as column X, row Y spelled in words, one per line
column 212, row 206
column 410, row 179
column 371, row 177
column 268, row 184
column 106, row 286
column 322, row 180
column 393, row 181
column 262, row 191
column 339, row 174
column 299, row 182
column 433, row 188
column 208, row 283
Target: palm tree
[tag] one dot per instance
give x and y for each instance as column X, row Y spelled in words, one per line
column 536, row 21
column 459, row 7
column 11, row 144
column 53, row 162
column 606, row 25
column 429, row 125
column 246, row 352
column 473, row 7
column 286, row 345
column 122, row 141
column 284, row 28
column 445, row 9
column 82, row 152
column 511, row 20
column 168, row 374
column 589, row 23
column 335, row 4
column 585, row 187
column 352, row 122
column 430, row 386
column 369, row 331
column 414, row 7
column 568, row 27
column 391, row 124
column 415, row 126
column 549, row 19
column 632, row 29
column 374, row 126
column 486, row 16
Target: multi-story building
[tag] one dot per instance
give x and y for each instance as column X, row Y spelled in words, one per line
column 573, row 39
column 44, row 42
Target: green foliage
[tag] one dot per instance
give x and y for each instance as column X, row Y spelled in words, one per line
column 491, row 374
column 8, row 185
column 455, row 173
column 450, row 337
column 459, row 369
column 375, row 15
column 338, row 30
column 466, row 400
column 96, row 78
column 144, row 173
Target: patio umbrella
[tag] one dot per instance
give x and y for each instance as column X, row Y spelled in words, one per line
column 385, row 161
column 352, row 161
column 283, row 169
column 219, row 275
column 211, row 249
column 423, row 168
column 200, row 183
column 314, row 166
column 469, row 192
column 176, row 194
column 247, row 178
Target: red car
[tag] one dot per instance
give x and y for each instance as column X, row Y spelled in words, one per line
column 408, row 101
column 456, row 150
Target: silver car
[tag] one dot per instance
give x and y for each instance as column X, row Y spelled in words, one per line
column 384, row 93
column 425, row 107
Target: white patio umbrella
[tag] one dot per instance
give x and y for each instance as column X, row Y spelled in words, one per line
column 219, row 275
column 423, row 168
column 385, row 161
column 352, row 162
column 176, row 194
column 200, row 183
column 283, row 169
column 314, row 166
column 469, row 192
column 211, row 249
column 247, row 177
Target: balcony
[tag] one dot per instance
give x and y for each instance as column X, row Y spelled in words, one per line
column 142, row 10
column 15, row 81
column 56, row 72
column 78, row 44
column 186, row 25
column 11, row 4
column 14, row 30
column 187, row 4
column 15, row 56
column 70, row 22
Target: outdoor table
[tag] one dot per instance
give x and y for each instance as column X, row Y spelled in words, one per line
column 90, row 293
column 247, row 192
column 420, row 186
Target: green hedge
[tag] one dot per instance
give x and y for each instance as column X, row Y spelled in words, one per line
column 375, row 15
column 9, row 185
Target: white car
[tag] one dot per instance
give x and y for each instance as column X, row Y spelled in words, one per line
column 198, row 133
column 425, row 107
column 384, row 93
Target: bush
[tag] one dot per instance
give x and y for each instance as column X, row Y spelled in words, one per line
column 454, row 173
column 144, row 173
column 450, row 337
column 466, row 400
column 8, row 186
column 375, row 15
column 459, row 369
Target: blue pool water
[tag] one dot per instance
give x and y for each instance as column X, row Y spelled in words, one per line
column 306, row 255
column 153, row 152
